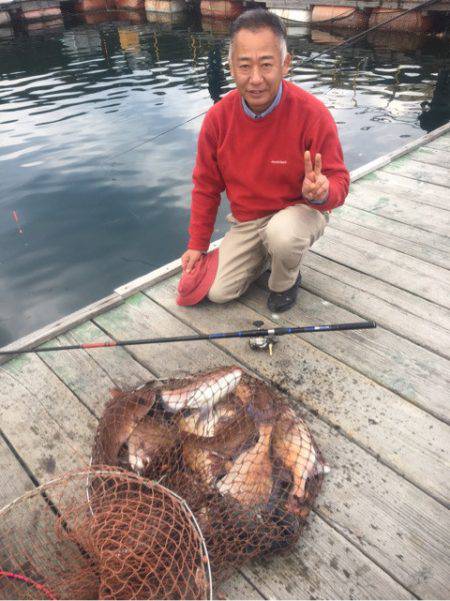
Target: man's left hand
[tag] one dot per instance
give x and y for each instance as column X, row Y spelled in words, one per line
column 315, row 184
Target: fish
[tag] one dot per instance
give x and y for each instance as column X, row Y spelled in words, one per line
column 150, row 440
column 202, row 392
column 249, row 480
column 121, row 416
column 205, row 424
column 293, row 446
column 257, row 399
column 207, row 464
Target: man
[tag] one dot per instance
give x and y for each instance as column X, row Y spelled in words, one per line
column 274, row 148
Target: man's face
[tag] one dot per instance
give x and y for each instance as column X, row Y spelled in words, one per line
column 257, row 68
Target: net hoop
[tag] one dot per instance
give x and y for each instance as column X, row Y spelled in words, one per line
column 186, row 507
column 110, row 472
column 29, row 581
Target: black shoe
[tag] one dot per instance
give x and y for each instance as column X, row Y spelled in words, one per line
column 282, row 301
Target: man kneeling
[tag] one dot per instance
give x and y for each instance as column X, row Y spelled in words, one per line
column 274, row 148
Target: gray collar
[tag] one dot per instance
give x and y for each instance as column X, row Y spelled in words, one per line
column 268, row 110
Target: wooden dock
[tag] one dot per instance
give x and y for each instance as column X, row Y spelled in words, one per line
column 377, row 400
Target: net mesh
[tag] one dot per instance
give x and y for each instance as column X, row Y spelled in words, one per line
column 231, row 446
column 189, row 479
column 102, row 534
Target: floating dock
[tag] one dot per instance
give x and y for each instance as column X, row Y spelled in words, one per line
column 376, row 400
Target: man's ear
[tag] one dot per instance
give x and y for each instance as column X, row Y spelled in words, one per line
column 287, row 64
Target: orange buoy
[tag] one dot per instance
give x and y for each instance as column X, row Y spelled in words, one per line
column 91, row 5
column 221, row 9
column 412, row 22
column 129, row 4
column 55, row 22
column 339, row 16
column 41, row 13
column 165, row 6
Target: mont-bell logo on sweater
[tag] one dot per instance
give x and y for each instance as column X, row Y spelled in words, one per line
column 278, row 162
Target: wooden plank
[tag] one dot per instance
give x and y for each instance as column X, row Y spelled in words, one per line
column 390, row 266
column 391, row 308
column 408, row 167
column 14, row 481
column 398, row 152
column 39, row 415
column 236, row 587
column 346, row 574
column 413, row 249
column 405, row 438
column 132, row 319
column 87, row 372
column 441, row 143
column 405, row 368
column 61, row 325
column 432, row 156
column 405, row 531
column 27, row 535
column 330, row 578
column 395, row 202
column 402, row 188
column 434, row 247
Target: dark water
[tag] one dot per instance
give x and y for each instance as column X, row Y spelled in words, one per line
column 101, row 194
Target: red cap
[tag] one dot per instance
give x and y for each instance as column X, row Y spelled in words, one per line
column 195, row 285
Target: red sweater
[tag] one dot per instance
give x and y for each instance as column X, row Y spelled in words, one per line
column 260, row 163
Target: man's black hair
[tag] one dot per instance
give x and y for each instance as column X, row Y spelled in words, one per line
column 256, row 19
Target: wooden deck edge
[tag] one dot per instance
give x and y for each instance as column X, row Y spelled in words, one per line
column 155, row 276
column 169, row 269
column 62, row 325
column 395, row 154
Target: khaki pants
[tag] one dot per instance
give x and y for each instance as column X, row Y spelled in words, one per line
column 282, row 238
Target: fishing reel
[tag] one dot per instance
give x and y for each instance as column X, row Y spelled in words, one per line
column 264, row 342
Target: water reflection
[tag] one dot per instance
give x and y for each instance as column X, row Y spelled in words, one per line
column 104, row 197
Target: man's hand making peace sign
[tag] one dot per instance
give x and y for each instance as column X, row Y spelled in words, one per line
column 315, row 185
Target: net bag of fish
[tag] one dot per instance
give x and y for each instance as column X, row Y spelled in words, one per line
column 231, row 446
column 102, row 534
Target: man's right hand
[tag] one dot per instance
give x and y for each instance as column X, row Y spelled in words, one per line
column 189, row 259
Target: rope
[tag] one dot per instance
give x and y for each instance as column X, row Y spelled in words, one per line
column 39, row 587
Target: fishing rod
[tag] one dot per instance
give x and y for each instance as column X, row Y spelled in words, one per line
column 255, row 333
